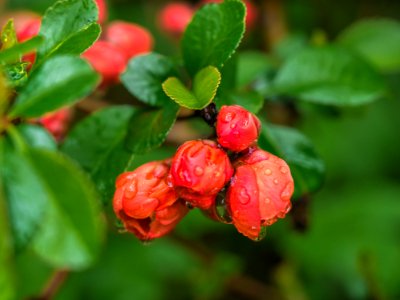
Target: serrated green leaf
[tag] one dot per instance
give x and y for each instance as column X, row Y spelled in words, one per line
column 148, row 129
column 378, row 40
column 306, row 166
column 68, row 27
column 98, row 144
column 252, row 101
column 144, row 76
column 8, row 36
column 72, row 229
column 205, row 85
column 61, row 80
column 213, row 35
column 14, row 53
column 329, row 75
column 37, row 137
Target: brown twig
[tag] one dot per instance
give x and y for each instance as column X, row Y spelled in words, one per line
column 53, row 285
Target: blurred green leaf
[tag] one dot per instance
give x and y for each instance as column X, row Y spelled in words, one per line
column 205, row 85
column 37, row 137
column 306, row 166
column 252, row 65
column 8, row 35
column 290, row 45
column 61, row 80
column 14, row 53
column 144, row 76
column 98, row 144
column 68, row 27
column 72, row 229
column 252, row 101
column 148, row 129
column 378, row 40
column 213, row 35
column 329, row 75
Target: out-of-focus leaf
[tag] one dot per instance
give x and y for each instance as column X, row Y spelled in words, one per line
column 14, row 53
column 378, row 40
column 37, row 137
column 251, row 65
column 329, row 75
column 252, row 101
column 145, row 75
column 98, row 144
column 68, row 27
column 213, row 35
column 306, row 166
column 8, row 35
column 59, row 81
column 291, row 45
column 205, row 85
column 72, row 229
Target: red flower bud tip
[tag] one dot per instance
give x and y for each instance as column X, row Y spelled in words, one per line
column 199, row 171
column 107, row 60
column 259, row 193
column 145, row 203
column 174, row 18
column 237, row 128
column 129, row 38
column 30, row 29
column 102, row 7
column 57, row 122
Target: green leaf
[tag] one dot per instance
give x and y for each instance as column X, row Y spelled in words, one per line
column 149, row 128
column 213, row 35
column 59, row 81
column 205, row 85
column 378, row 40
column 252, row 65
column 144, row 76
column 16, row 74
column 14, row 53
column 98, row 144
column 71, row 230
column 252, row 101
column 37, row 137
column 8, row 35
column 306, row 166
column 68, row 27
column 329, row 75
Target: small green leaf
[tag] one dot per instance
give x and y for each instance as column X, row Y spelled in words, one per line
column 68, row 27
column 8, row 36
column 306, row 166
column 37, row 137
column 149, row 128
column 205, row 85
column 378, row 40
column 329, row 75
column 252, row 65
column 71, row 231
column 144, row 76
column 252, row 101
column 213, row 35
column 98, row 144
column 14, row 53
column 59, row 81
column 16, row 74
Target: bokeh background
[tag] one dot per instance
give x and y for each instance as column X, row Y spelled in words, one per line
column 341, row 243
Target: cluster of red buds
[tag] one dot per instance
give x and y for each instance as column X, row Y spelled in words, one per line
column 256, row 185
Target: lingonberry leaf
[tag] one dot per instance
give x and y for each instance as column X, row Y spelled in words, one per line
column 205, row 85
column 61, row 80
column 288, row 143
column 144, row 76
column 329, row 75
column 213, row 35
column 378, row 40
column 68, row 27
column 98, row 144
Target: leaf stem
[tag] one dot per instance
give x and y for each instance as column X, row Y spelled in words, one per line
column 53, row 285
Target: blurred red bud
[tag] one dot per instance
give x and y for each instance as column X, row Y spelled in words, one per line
column 102, row 7
column 174, row 18
column 57, row 122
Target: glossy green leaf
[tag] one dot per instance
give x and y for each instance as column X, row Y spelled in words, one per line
column 251, row 65
column 144, row 76
column 252, row 101
column 306, row 166
column 14, row 53
column 59, row 81
column 98, row 144
column 68, row 27
column 331, row 76
column 205, row 85
column 213, row 35
column 37, row 137
column 378, row 40
column 148, row 129
column 72, row 229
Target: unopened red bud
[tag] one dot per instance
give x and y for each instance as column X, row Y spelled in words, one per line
column 107, row 60
column 237, row 128
column 199, row 171
column 174, row 18
column 259, row 193
column 57, row 122
column 145, row 203
column 102, row 7
column 131, row 39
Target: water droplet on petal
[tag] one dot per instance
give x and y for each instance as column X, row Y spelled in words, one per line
column 244, row 196
column 267, row 200
column 284, row 170
column 233, row 125
column 276, row 181
column 268, row 172
column 229, row 117
column 198, row 171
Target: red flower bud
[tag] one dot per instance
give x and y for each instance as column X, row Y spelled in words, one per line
column 131, row 39
column 259, row 193
column 174, row 18
column 57, row 122
column 107, row 60
column 145, row 203
column 237, row 128
column 102, row 7
column 199, row 171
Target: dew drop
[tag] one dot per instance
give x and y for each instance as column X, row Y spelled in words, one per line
column 233, row 125
column 283, row 170
column 267, row 200
column 229, row 117
column 244, row 196
column 198, row 171
column 268, row 172
column 276, row 181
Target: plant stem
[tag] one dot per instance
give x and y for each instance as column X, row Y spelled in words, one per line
column 53, row 285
